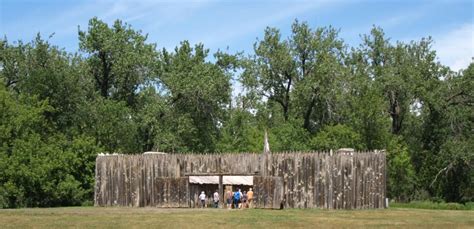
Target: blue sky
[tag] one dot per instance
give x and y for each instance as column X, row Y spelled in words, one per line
column 237, row 24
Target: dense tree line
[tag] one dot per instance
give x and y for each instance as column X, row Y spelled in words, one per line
column 311, row 91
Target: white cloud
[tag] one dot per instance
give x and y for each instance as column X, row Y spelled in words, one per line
column 456, row 47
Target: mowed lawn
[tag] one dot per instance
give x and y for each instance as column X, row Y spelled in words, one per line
column 114, row 217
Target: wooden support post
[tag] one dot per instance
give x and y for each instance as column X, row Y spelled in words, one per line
column 221, row 192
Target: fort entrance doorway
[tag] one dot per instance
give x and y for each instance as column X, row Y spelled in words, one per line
column 212, row 183
column 268, row 191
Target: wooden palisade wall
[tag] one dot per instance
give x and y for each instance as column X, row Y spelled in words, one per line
column 340, row 180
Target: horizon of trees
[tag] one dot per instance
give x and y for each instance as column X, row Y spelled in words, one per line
column 311, row 91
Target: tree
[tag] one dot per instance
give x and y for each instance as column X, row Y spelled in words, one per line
column 319, row 58
column 385, row 63
column 401, row 183
column 39, row 168
column 363, row 104
column 272, row 72
column 241, row 131
column 197, row 92
column 119, row 59
column 449, row 172
column 336, row 137
column 112, row 125
column 305, row 70
column 13, row 63
column 308, row 91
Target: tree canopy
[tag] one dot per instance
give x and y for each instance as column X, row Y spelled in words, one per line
column 310, row 91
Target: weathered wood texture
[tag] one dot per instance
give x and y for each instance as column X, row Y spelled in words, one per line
column 341, row 180
column 268, row 192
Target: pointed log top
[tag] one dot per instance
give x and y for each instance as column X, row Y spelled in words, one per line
column 266, row 145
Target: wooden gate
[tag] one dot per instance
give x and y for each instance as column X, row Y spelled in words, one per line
column 268, row 192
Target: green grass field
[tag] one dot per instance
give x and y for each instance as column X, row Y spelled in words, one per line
column 96, row 217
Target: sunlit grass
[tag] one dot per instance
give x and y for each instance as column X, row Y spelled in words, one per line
column 82, row 217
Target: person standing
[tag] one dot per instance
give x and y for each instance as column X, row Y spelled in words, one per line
column 240, row 201
column 229, row 199
column 216, row 199
column 202, row 197
column 237, row 196
column 244, row 200
column 250, row 197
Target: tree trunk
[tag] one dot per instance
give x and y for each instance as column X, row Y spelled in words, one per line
column 104, row 83
column 287, row 98
column 309, row 111
column 395, row 113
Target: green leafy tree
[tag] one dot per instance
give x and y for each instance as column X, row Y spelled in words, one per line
column 364, row 108
column 241, row 132
column 449, row 174
column 304, row 72
column 37, row 167
column 198, row 92
column 272, row 71
column 288, row 136
column 385, row 67
column 320, row 71
column 336, row 137
column 13, row 62
column 308, row 91
column 119, row 59
column 112, row 124
column 401, row 183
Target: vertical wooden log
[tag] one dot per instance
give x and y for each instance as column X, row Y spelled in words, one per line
column 221, row 191
column 309, row 180
column 97, row 182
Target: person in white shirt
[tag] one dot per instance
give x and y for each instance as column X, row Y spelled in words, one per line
column 202, row 197
column 216, row 199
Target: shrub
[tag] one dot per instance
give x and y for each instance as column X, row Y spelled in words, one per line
column 401, row 174
column 335, row 137
column 434, row 205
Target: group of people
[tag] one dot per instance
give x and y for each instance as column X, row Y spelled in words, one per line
column 237, row 200
column 215, row 199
